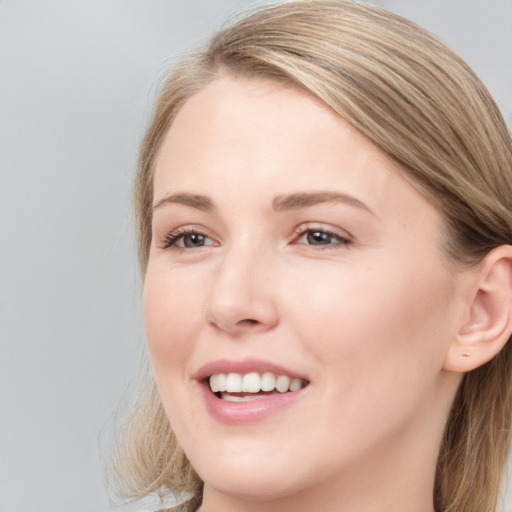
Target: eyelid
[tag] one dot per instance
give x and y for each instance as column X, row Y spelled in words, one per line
column 169, row 241
column 345, row 238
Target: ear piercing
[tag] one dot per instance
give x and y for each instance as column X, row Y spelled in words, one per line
column 466, row 354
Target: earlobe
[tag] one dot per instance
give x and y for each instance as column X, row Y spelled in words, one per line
column 488, row 323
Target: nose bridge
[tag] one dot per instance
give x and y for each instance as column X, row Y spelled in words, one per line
column 241, row 296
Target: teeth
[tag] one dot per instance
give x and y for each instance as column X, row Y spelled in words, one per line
column 218, row 382
column 252, row 383
column 222, row 382
column 283, row 383
column 268, row 381
column 236, row 398
column 214, row 383
column 295, row 384
column 234, row 383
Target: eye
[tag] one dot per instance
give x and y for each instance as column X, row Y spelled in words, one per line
column 186, row 238
column 321, row 237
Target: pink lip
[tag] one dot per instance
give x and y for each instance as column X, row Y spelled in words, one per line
column 236, row 413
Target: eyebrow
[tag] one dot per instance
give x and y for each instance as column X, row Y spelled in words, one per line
column 279, row 204
column 197, row 201
column 305, row 199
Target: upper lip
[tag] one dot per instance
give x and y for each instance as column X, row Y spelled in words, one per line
column 242, row 367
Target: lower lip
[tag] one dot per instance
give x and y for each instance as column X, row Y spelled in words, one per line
column 247, row 412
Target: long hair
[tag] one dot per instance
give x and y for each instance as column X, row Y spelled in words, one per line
column 424, row 107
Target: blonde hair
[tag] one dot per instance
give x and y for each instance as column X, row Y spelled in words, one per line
column 423, row 106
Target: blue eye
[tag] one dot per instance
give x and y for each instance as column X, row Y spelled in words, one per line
column 318, row 238
column 321, row 237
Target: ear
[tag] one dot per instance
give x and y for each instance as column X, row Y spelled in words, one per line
column 487, row 323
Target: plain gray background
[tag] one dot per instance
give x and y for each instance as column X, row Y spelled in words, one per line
column 76, row 82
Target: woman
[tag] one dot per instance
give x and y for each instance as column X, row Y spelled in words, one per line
column 323, row 205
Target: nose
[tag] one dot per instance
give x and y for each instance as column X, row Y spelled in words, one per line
column 241, row 298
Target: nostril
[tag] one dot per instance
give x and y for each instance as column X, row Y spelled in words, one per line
column 248, row 321
column 233, row 316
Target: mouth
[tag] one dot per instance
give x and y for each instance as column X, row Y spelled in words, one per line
column 245, row 387
column 239, row 392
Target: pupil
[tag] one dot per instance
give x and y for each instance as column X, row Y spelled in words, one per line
column 317, row 238
column 193, row 240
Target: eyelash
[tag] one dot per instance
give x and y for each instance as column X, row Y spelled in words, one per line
column 339, row 239
column 171, row 240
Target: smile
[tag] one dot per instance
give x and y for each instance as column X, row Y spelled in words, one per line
column 237, row 387
column 249, row 390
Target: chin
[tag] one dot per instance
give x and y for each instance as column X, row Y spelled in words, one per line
column 252, row 489
column 256, row 481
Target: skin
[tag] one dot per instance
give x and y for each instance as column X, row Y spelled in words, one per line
column 368, row 322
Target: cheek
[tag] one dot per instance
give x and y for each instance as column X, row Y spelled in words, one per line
column 379, row 339
column 172, row 312
column 375, row 320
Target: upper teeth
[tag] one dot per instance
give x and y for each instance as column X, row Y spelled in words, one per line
column 253, row 382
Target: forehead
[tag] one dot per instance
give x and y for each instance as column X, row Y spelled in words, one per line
column 257, row 138
column 260, row 121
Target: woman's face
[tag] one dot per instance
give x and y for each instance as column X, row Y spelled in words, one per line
column 287, row 244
